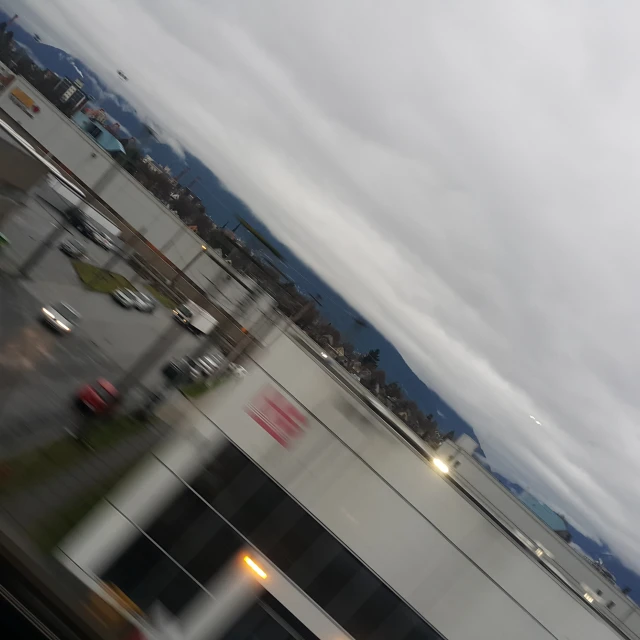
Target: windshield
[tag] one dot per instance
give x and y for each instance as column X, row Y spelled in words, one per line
column 103, row 393
column 184, row 310
column 66, row 312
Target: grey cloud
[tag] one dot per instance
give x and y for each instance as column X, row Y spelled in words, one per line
column 464, row 174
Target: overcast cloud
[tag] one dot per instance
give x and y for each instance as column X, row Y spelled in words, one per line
column 465, row 174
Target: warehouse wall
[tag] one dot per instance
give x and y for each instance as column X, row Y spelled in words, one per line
column 380, row 498
column 568, row 559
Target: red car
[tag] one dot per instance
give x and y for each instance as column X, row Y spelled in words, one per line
column 97, row 398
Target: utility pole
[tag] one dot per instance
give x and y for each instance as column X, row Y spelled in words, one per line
column 113, row 260
column 150, row 357
column 202, row 348
column 132, row 378
column 41, row 251
column 172, row 239
column 117, row 256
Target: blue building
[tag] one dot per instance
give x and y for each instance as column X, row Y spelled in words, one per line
column 93, row 128
column 555, row 522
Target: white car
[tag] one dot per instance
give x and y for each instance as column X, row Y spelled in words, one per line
column 237, row 371
column 102, row 240
column 193, row 368
column 61, row 317
column 143, row 302
column 209, row 364
column 124, row 297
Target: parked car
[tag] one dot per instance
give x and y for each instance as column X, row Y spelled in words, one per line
column 184, row 369
column 210, row 363
column 84, row 227
column 97, row 398
column 238, row 371
column 143, row 302
column 193, row 369
column 102, row 240
column 124, row 297
column 60, row 316
column 74, row 249
column 75, row 216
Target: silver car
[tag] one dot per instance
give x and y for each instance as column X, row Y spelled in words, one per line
column 124, row 297
column 210, row 363
column 61, row 317
column 74, row 249
column 192, row 368
column 103, row 241
column 143, row 302
column 237, row 370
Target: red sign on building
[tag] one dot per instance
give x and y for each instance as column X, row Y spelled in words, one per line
column 277, row 416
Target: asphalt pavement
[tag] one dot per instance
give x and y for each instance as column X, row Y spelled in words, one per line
column 39, row 370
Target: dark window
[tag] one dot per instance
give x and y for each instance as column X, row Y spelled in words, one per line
column 93, row 130
column 280, row 528
column 380, row 617
column 337, row 573
column 305, row 551
column 191, row 534
column 269, row 620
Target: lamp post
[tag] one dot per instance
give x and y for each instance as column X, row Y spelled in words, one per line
column 36, row 256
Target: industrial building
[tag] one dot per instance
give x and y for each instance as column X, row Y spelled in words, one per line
column 69, row 94
column 85, row 150
column 292, row 504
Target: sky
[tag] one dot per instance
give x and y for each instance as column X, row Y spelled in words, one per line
column 463, row 174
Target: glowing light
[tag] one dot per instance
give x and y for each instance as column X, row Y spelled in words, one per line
column 255, row 567
column 440, row 465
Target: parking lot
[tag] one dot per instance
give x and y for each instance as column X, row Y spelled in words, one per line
column 40, row 370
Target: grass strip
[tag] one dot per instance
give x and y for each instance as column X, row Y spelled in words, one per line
column 165, row 301
column 36, row 466
column 100, row 280
column 199, row 388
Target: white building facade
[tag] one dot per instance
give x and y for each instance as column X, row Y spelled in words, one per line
column 290, row 505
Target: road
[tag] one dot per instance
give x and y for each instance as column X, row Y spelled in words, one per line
column 30, row 226
column 40, row 370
